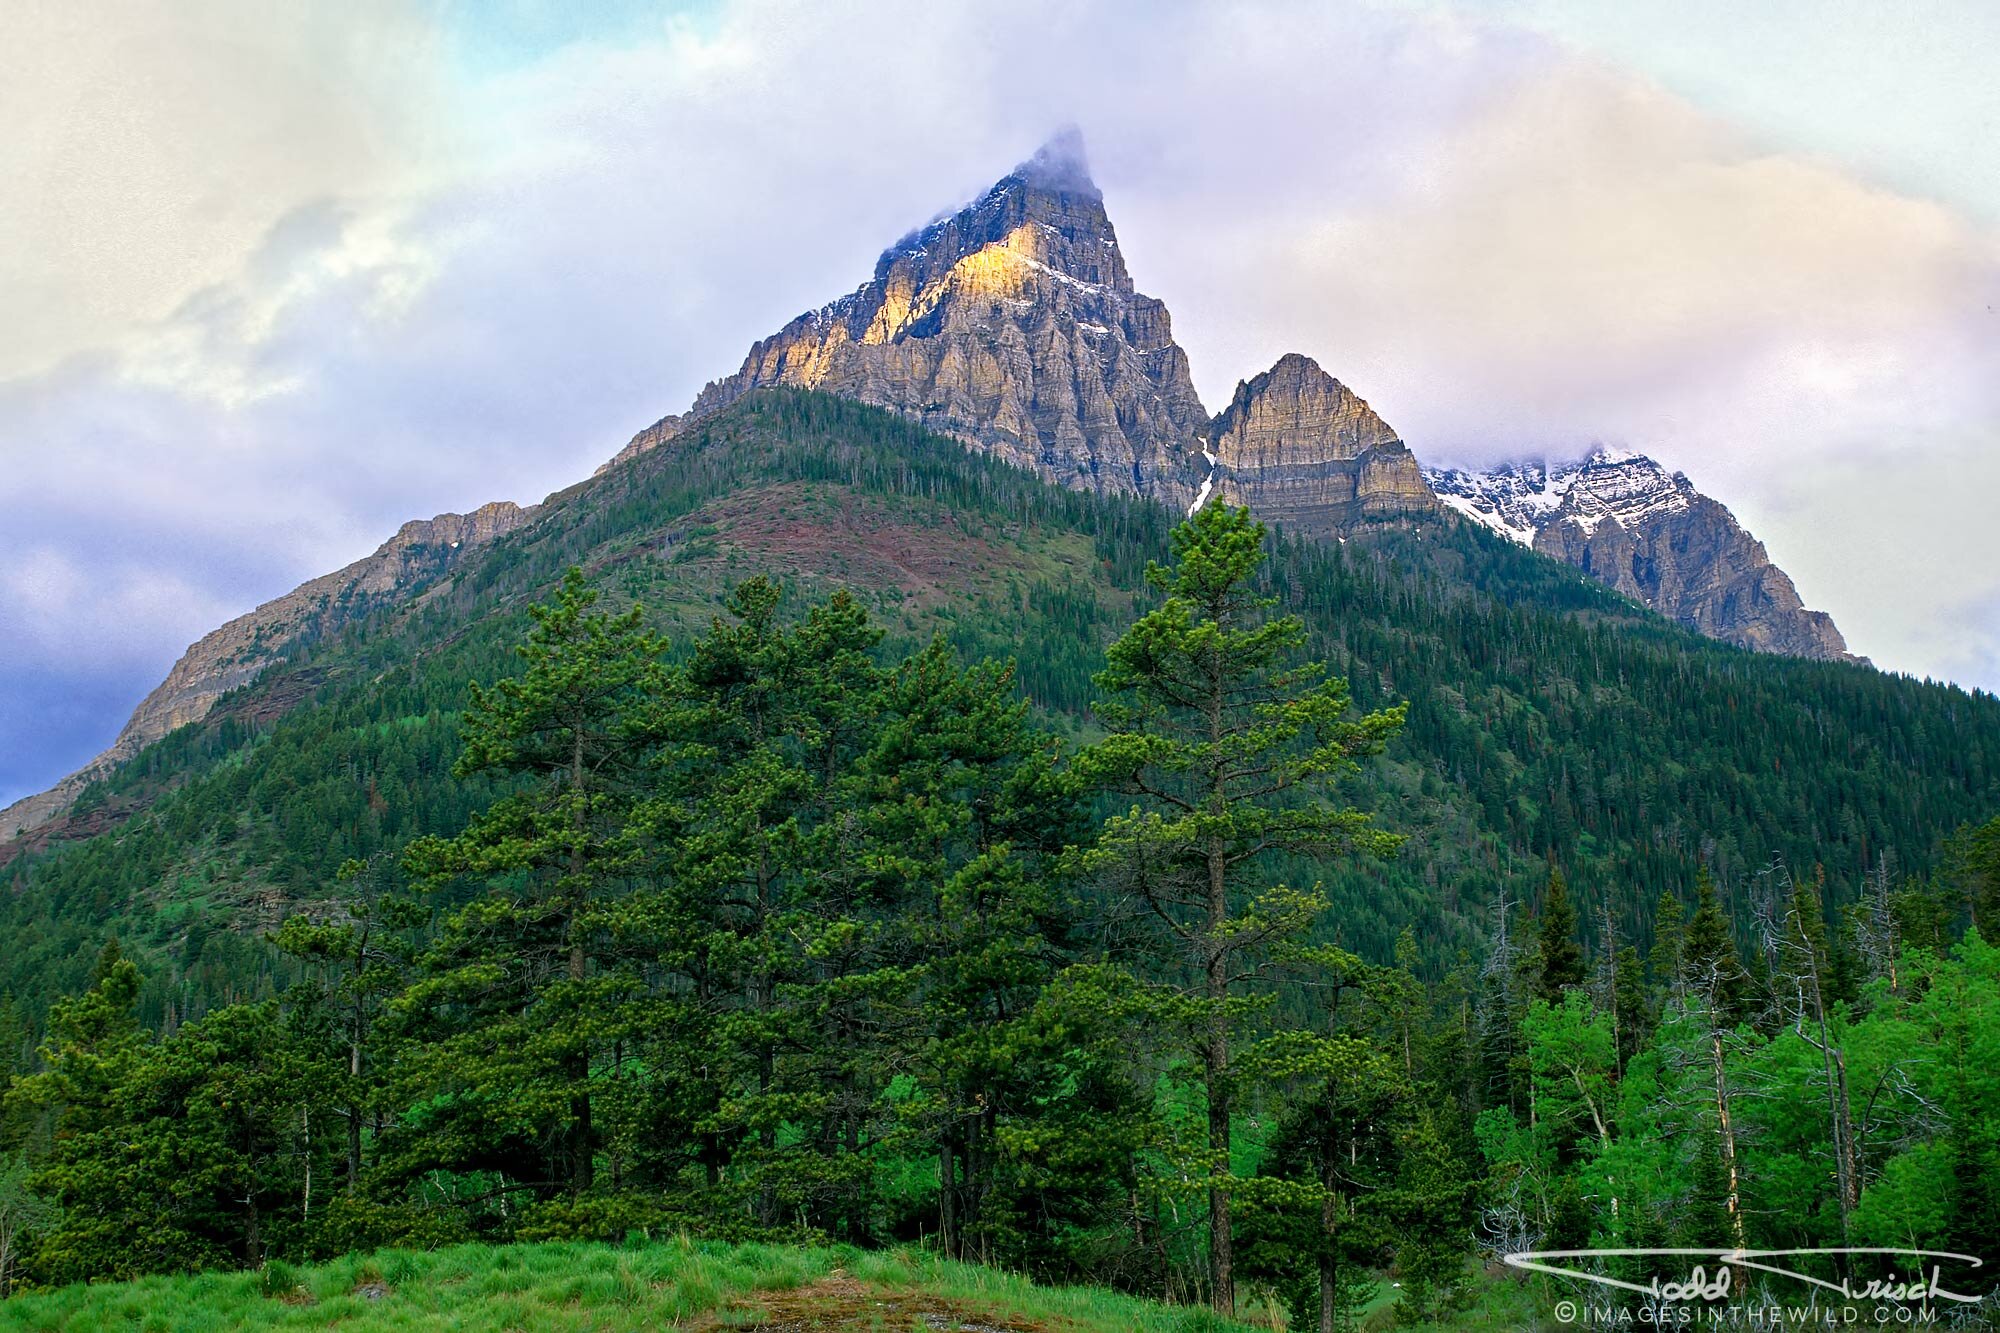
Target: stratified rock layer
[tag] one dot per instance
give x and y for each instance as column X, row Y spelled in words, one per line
column 232, row 656
column 1012, row 325
column 1628, row 522
column 1301, row 449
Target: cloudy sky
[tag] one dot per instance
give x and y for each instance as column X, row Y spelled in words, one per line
column 274, row 278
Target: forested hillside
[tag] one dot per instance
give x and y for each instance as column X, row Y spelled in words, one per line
column 810, row 830
column 1548, row 717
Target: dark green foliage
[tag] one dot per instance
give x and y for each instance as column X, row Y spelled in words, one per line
column 1431, row 1205
column 1532, row 692
column 192, row 1153
column 1703, row 1216
column 1973, row 864
column 1228, row 747
column 1634, row 1013
column 792, row 908
column 1710, row 965
column 1559, row 958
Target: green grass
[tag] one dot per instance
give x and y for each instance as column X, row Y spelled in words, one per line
column 579, row 1286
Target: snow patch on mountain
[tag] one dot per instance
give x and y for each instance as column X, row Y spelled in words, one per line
column 1518, row 500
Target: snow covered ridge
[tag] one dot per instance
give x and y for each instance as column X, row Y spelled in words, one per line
column 1518, row 500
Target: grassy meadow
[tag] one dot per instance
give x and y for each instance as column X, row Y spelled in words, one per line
column 560, row 1287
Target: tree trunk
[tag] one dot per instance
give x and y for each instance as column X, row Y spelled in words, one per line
column 1727, row 1129
column 306, row 1127
column 1221, row 1278
column 354, row 1121
column 357, row 1029
column 947, row 1209
column 583, row 1164
column 1329, row 1261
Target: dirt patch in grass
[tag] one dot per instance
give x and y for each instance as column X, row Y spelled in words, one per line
column 839, row 1304
column 853, row 539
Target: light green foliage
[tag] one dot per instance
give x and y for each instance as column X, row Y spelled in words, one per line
column 571, row 1288
column 1574, row 1063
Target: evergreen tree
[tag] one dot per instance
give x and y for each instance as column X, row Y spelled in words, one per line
column 1502, row 1058
column 965, row 812
column 1310, row 1221
column 1228, row 743
column 1663, row 963
column 361, row 962
column 1559, row 958
column 1705, row 1218
column 1710, row 964
column 1432, row 1207
column 1973, row 861
column 512, row 1014
column 770, row 893
column 1634, row 1014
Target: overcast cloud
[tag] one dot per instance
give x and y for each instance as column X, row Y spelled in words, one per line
column 281, row 278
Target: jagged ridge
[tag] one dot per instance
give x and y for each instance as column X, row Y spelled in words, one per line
column 1628, row 522
column 238, row 652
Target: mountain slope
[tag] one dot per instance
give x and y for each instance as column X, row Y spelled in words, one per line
column 1014, row 326
column 1632, row 525
column 1548, row 715
column 236, row 653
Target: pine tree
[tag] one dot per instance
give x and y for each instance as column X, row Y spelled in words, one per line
column 1431, row 1205
column 572, row 731
column 1228, row 745
column 1559, row 958
column 361, row 962
column 1973, row 862
column 965, row 811
column 768, row 874
column 1705, row 1218
column 1710, row 963
column 1635, row 1016
column 1663, row 963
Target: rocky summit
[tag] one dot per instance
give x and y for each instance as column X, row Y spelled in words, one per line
column 1013, row 325
column 1301, row 449
column 1628, row 522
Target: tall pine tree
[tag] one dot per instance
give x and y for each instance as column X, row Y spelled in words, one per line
column 1229, row 746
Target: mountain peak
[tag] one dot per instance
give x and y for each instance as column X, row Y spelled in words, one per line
column 1631, row 522
column 1046, row 211
column 1059, row 165
column 1302, row 449
column 1012, row 324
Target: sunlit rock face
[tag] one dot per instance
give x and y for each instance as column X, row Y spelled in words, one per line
column 1628, row 522
column 1302, row 450
column 1013, row 325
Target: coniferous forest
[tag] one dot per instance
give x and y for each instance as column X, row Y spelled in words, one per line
column 1179, row 908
